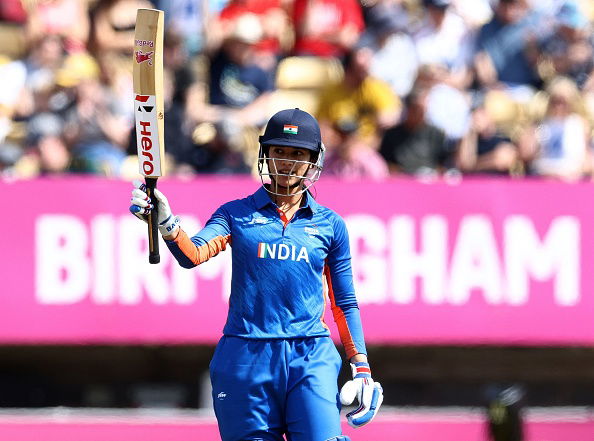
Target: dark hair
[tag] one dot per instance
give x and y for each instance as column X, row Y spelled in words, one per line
column 416, row 95
column 348, row 57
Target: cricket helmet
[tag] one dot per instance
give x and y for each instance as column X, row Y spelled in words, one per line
column 292, row 128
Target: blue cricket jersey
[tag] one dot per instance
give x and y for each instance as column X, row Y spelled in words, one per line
column 278, row 269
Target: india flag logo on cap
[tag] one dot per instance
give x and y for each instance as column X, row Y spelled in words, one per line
column 288, row 128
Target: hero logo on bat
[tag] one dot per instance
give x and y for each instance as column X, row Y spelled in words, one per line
column 141, row 57
column 147, row 141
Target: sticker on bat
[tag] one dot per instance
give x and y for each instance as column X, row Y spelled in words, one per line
column 147, row 135
column 141, row 57
column 148, row 43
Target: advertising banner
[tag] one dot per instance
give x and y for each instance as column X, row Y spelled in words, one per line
column 387, row 426
column 470, row 262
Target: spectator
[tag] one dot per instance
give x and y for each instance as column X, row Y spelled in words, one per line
column 353, row 159
column 374, row 12
column 68, row 19
column 13, row 76
column 475, row 13
column 386, row 36
column 485, row 149
column 189, row 20
column 175, row 59
column 562, row 142
column 112, row 44
column 443, row 38
column 326, row 28
column 28, row 85
column 414, row 146
column 359, row 97
column 568, row 51
column 448, row 107
column 236, row 82
column 42, row 63
column 113, row 23
column 273, row 21
column 10, row 154
column 239, row 91
column 502, row 58
column 46, row 146
column 45, row 151
column 96, row 128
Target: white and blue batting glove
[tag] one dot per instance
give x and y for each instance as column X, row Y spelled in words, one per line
column 142, row 206
column 369, row 394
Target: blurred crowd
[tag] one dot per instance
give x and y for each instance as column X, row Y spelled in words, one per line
column 417, row 87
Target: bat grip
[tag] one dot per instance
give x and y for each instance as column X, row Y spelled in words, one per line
column 153, row 221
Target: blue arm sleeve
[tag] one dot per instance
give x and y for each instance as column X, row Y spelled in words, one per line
column 207, row 243
column 339, row 276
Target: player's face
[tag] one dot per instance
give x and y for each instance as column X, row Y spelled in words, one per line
column 288, row 164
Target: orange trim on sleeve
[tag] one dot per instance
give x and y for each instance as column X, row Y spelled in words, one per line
column 200, row 254
column 343, row 328
column 324, row 295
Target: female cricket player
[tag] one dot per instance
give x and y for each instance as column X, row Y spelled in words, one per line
column 274, row 372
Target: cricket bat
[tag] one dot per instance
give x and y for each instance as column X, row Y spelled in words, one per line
column 148, row 110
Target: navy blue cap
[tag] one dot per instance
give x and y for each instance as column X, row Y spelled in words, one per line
column 293, row 128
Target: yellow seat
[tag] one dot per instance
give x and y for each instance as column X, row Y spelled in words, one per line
column 13, row 42
column 299, row 81
column 307, row 72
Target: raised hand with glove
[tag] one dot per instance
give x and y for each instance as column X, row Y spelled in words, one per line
column 142, row 206
column 369, row 394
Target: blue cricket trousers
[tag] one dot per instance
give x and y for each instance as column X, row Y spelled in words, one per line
column 263, row 389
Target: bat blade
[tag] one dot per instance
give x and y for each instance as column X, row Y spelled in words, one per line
column 148, row 91
column 148, row 110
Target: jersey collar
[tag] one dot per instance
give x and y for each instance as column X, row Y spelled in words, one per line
column 262, row 198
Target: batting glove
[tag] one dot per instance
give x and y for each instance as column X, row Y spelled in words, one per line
column 142, row 206
column 369, row 394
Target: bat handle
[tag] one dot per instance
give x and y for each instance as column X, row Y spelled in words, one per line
column 153, row 222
